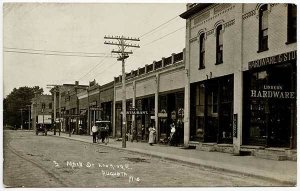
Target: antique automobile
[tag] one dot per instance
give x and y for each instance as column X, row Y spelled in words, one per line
column 41, row 129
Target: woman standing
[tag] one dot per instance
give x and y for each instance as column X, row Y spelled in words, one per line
column 152, row 133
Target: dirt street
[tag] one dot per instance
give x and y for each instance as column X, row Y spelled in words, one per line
column 47, row 161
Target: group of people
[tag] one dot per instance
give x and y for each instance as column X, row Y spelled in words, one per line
column 175, row 138
column 176, row 133
column 102, row 131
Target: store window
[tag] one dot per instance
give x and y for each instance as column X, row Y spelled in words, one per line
column 202, row 52
column 263, row 28
column 292, row 23
column 270, row 106
column 213, row 111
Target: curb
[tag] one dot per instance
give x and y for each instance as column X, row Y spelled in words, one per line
column 286, row 183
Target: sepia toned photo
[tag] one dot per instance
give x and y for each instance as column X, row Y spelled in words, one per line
column 149, row 95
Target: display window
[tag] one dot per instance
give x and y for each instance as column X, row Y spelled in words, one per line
column 270, row 106
column 212, row 110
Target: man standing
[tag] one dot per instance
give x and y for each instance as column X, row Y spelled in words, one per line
column 94, row 130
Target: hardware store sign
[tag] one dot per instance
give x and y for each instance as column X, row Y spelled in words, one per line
column 277, row 59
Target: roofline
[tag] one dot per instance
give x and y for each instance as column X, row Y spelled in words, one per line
column 199, row 7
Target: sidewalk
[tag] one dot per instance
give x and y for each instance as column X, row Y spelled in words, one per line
column 282, row 171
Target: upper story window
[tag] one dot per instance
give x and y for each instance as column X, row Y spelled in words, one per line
column 202, row 52
column 292, row 23
column 263, row 28
column 50, row 105
column 219, row 45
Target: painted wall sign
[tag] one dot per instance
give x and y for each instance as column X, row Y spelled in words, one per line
column 135, row 111
column 235, row 122
column 288, row 56
column 271, row 91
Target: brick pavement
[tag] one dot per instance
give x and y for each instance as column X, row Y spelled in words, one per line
column 283, row 171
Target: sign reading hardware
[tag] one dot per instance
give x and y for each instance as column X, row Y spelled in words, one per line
column 273, row 92
column 288, row 56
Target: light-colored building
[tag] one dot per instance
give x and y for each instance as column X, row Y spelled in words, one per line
column 155, row 97
column 241, row 61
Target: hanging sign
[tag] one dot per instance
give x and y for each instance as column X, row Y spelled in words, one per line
column 277, row 59
column 162, row 114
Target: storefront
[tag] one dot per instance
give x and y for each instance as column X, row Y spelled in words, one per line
column 270, row 102
column 211, row 110
column 143, row 119
column 83, row 122
column 171, row 107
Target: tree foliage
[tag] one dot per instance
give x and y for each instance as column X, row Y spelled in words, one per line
column 18, row 99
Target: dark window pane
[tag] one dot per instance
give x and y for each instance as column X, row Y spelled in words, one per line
column 292, row 23
column 263, row 28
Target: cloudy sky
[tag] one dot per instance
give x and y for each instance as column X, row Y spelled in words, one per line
column 55, row 43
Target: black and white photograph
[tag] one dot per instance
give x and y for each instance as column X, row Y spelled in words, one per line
column 149, row 95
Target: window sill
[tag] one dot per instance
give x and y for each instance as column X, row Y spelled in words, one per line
column 218, row 63
column 290, row 42
column 201, row 68
column 263, row 50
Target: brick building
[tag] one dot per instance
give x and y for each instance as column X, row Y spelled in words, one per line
column 41, row 111
column 241, row 60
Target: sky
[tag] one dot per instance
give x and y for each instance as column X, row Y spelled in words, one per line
column 36, row 37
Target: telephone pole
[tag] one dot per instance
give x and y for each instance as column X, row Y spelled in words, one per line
column 122, row 44
column 21, row 110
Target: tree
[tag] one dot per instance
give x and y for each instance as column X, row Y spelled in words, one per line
column 18, row 99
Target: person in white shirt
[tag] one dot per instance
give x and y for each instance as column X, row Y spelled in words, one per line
column 94, row 130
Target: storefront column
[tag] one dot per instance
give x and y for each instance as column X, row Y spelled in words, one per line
column 238, row 82
column 133, row 105
column 114, row 112
column 187, row 95
column 156, row 106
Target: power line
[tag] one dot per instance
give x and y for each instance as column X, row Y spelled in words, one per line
column 53, row 54
column 92, row 69
column 68, row 52
column 157, row 27
column 105, row 69
column 164, row 36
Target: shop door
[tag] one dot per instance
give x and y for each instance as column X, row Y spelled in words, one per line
column 211, row 111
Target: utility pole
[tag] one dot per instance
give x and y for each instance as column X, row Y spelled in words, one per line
column 56, row 89
column 29, row 110
column 122, row 45
column 21, row 110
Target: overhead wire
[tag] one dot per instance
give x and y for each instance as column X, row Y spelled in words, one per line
column 145, row 34
column 68, row 52
column 55, row 54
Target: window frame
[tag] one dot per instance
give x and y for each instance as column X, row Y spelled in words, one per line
column 202, row 51
column 261, row 46
column 219, row 47
column 291, row 38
